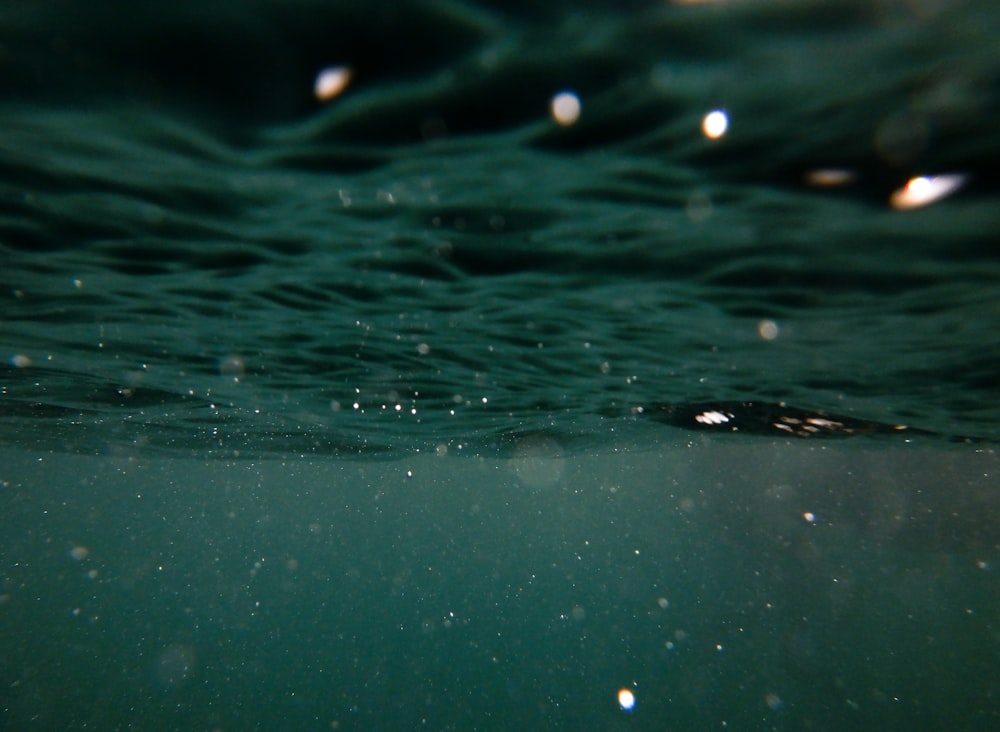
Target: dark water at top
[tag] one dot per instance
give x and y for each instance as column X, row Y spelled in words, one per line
column 200, row 256
column 221, row 298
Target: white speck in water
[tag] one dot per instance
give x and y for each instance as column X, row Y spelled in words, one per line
column 626, row 700
column 715, row 124
column 331, row 82
column 566, row 108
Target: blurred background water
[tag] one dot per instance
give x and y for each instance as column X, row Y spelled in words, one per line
column 250, row 247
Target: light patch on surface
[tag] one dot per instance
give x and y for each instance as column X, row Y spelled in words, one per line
column 715, row 124
column 713, row 417
column 829, row 177
column 925, row 190
column 565, row 108
column 331, row 82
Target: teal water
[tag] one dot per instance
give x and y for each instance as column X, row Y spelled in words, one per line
column 353, row 413
column 502, row 593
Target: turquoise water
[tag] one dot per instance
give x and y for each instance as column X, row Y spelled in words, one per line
column 383, row 411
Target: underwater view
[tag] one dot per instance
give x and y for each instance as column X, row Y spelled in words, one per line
column 486, row 366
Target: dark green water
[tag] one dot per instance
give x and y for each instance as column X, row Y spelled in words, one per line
column 349, row 414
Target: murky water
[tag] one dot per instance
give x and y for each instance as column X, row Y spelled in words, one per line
column 365, row 411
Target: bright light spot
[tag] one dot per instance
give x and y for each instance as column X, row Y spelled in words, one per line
column 566, row 108
column 715, row 124
column 925, row 190
column 768, row 330
column 809, row 516
column 20, row 361
column 713, row 418
column 626, row 700
column 829, row 177
column 331, row 82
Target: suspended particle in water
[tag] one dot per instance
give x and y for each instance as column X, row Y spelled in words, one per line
column 768, row 330
column 331, row 82
column 715, row 124
column 565, row 108
column 626, row 700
